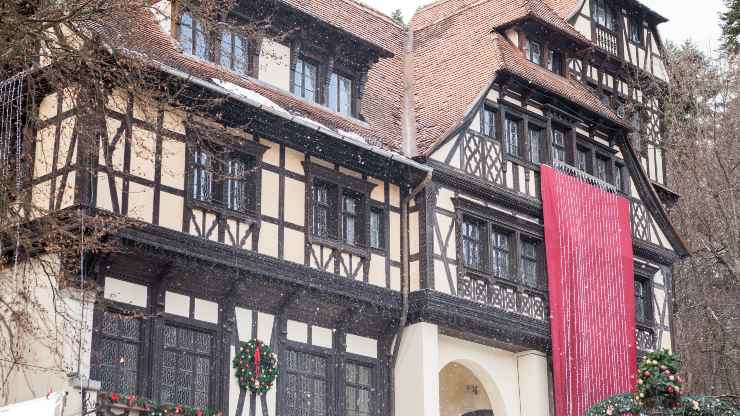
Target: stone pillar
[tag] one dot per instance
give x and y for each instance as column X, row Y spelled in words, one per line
column 416, row 374
column 534, row 384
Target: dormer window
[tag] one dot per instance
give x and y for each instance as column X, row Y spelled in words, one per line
column 340, row 94
column 233, row 52
column 555, row 62
column 634, row 28
column 192, row 35
column 305, row 79
column 603, row 14
column 223, row 46
column 533, row 51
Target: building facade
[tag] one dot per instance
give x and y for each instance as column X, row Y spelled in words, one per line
column 363, row 197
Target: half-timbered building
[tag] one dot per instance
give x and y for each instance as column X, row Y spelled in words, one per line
column 362, row 196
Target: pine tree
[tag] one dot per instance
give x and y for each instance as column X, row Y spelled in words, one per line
column 731, row 26
column 397, row 15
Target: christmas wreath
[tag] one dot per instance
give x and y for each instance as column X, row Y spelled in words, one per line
column 256, row 367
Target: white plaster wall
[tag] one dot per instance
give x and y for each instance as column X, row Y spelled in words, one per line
column 495, row 368
column 417, row 372
column 275, row 64
column 60, row 342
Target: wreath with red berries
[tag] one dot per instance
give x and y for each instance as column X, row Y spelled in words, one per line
column 256, row 366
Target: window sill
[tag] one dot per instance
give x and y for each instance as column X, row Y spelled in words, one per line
column 249, row 216
column 340, row 245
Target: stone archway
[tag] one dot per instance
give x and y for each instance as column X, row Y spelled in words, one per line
column 461, row 393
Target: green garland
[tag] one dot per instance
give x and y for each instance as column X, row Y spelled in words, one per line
column 659, row 387
column 147, row 407
column 244, row 363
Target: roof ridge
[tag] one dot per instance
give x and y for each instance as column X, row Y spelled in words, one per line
column 375, row 12
column 451, row 15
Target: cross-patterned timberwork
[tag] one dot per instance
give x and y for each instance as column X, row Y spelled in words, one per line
column 482, row 157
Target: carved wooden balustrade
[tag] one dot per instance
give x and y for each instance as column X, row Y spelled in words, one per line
column 506, row 296
column 645, row 338
column 608, row 40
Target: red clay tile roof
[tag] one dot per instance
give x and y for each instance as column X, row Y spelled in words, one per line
column 563, row 7
column 457, row 58
column 138, row 33
column 354, row 17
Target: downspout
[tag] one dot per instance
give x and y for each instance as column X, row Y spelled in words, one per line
column 405, row 279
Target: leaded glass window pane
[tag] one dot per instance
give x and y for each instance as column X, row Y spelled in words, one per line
column 489, row 123
column 529, row 263
column 321, row 210
column 601, row 170
column 358, row 389
column 305, row 79
column 582, row 159
column 377, row 229
column 501, row 254
column 340, row 94
column 558, row 145
column 186, row 32
column 185, row 373
column 305, row 385
column 202, row 176
column 118, row 361
column 237, row 192
column 512, row 137
column 535, row 53
column 534, row 151
column 225, row 54
column 642, row 301
column 350, row 227
column 471, row 239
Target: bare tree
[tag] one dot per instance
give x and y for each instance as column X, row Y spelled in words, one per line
column 702, row 127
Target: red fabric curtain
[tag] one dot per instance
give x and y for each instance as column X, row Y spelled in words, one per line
column 591, row 290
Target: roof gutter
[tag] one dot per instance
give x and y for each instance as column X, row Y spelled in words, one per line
column 298, row 120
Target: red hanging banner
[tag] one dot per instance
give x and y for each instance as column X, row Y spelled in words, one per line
column 588, row 240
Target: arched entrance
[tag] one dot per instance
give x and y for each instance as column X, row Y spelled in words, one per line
column 461, row 393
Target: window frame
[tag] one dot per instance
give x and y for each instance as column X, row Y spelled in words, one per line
column 223, row 146
column 647, row 300
column 376, row 207
column 303, row 59
column 352, row 95
column 489, row 131
column 517, row 231
column 609, row 11
column 482, row 242
column 634, row 21
column 343, row 184
column 360, row 361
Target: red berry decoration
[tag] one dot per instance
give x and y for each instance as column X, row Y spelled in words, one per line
column 256, row 366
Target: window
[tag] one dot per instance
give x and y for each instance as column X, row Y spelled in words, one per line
column 323, row 218
column 604, row 15
column 601, row 169
column 618, row 178
column 643, row 302
column 340, row 94
column 306, row 384
column 634, row 27
column 534, row 146
column 582, row 156
column 238, row 193
column 472, row 243
column 186, row 366
column 558, row 145
column 202, row 177
column 501, row 253
column 511, row 143
column 192, row 35
column 377, row 229
column 555, row 62
column 533, row 51
column 223, row 178
column 305, row 80
column 350, row 223
column 488, row 122
column 120, row 343
column 358, row 390
column 530, row 260
column 233, row 52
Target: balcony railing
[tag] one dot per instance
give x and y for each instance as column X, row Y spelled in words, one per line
column 505, row 296
column 645, row 338
column 608, row 40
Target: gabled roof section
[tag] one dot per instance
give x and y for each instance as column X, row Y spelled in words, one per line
column 457, row 59
column 567, row 8
column 355, row 18
column 507, row 12
column 137, row 34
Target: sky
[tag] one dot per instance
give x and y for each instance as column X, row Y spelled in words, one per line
column 688, row 19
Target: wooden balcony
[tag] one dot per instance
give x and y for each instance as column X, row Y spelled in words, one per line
column 506, row 296
column 609, row 41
